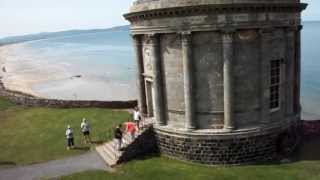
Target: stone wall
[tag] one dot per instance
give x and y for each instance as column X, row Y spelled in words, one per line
column 242, row 148
column 311, row 129
column 32, row 101
column 214, row 150
column 144, row 144
column 234, row 149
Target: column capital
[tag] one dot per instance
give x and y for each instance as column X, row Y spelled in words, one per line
column 186, row 36
column 228, row 30
column 134, row 36
column 294, row 28
column 266, row 30
column 136, row 39
column 185, row 33
column 152, row 38
column 227, row 35
column 152, row 35
column 290, row 28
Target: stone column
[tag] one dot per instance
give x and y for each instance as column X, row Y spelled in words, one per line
column 140, row 78
column 297, row 105
column 157, row 80
column 188, row 81
column 228, row 79
column 290, row 70
column 265, row 48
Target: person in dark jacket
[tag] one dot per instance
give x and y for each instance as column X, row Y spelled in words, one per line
column 118, row 136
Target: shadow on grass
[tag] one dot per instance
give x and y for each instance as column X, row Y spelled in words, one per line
column 7, row 163
column 143, row 157
column 97, row 142
column 307, row 151
column 82, row 148
column 148, row 156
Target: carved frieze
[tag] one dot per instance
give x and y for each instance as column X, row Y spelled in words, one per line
column 247, row 35
column 216, row 9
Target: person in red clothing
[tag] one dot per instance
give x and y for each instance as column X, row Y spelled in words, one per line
column 131, row 128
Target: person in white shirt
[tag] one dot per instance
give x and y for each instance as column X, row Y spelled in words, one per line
column 137, row 117
column 85, row 129
column 70, row 139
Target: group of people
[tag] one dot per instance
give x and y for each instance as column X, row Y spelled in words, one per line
column 130, row 127
column 85, row 130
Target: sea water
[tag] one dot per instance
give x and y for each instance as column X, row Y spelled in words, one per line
column 310, row 84
column 91, row 66
column 105, row 62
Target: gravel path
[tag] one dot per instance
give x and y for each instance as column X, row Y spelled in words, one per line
column 56, row 168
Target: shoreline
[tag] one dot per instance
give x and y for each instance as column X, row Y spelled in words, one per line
column 23, row 74
column 25, row 99
column 12, row 81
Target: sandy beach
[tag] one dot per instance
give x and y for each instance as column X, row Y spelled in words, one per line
column 21, row 74
column 55, row 81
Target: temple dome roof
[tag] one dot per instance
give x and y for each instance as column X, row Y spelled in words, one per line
column 144, row 5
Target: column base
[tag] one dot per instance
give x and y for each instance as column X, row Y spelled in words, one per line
column 190, row 129
column 160, row 124
column 229, row 129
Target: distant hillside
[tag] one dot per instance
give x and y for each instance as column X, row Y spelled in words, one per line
column 47, row 35
column 32, row 37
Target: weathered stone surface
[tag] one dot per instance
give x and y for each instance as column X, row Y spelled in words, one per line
column 143, row 5
column 230, row 46
column 213, row 150
column 311, row 129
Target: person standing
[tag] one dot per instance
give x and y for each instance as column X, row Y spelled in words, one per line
column 131, row 130
column 70, row 139
column 118, row 136
column 85, row 129
column 137, row 117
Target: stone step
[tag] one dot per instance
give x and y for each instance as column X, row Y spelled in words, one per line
column 109, row 152
column 112, row 151
column 111, row 162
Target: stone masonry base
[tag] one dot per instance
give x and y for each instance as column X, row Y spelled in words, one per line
column 220, row 149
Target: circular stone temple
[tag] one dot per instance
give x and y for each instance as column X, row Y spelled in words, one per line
column 220, row 77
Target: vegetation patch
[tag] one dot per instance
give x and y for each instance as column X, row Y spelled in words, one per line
column 159, row 168
column 32, row 135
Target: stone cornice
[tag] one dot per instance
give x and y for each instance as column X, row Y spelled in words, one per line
column 215, row 9
column 261, row 28
column 223, row 134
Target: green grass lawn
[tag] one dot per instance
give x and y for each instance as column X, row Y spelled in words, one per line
column 305, row 166
column 31, row 135
column 161, row 168
column 5, row 104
